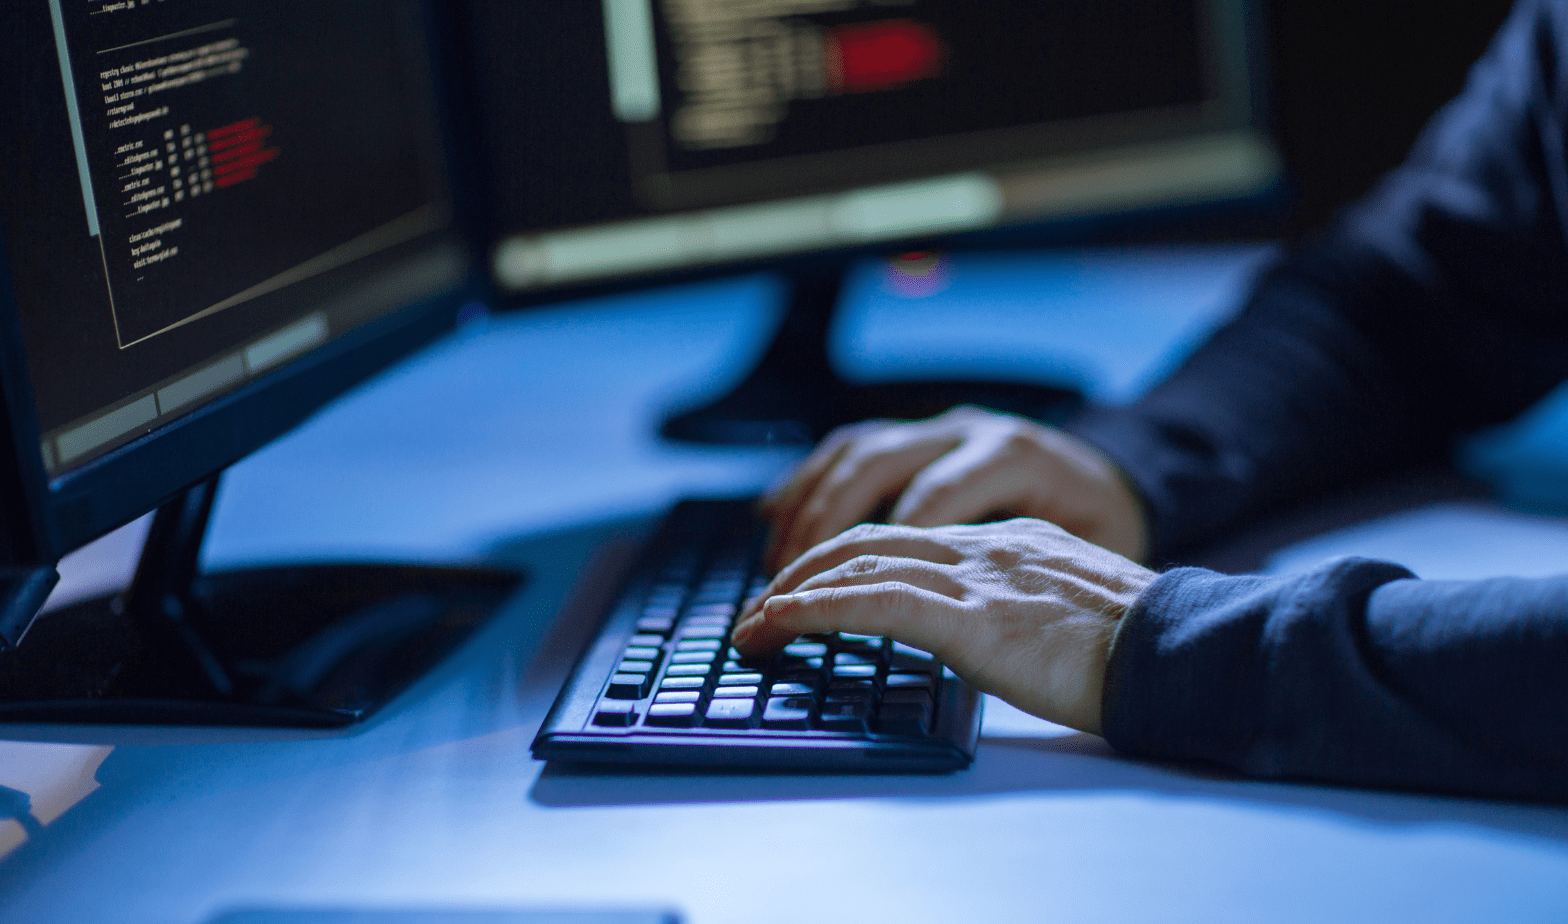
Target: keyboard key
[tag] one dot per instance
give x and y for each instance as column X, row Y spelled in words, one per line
column 852, row 688
column 680, row 567
column 665, row 592
column 682, row 683
column 678, row 715
column 616, row 713
column 704, row 631
column 854, row 670
column 849, row 657
column 806, row 649
column 628, row 686
column 634, row 667
column 731, row 713
column 693, row 657
column 855, row 646
column 908, row 658
column 788, row 712
column 792, row 689
column 847, row 717
column 904, row 719
column 688, row 670
column 920, row 695
column 906, row 681
column 699, row 644
column 646, row 641
column 706, row 621
column 731, row 692
column 659, row 624
column 722, row 610
column 641, row 653
column 740, row 679
column 873, row 640
column 678, row 696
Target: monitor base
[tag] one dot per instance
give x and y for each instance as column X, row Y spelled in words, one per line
column 794, row 396
column 308, row 646
column 317, row 646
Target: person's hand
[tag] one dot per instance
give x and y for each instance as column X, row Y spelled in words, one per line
column 1021, row 609
column 964, row 466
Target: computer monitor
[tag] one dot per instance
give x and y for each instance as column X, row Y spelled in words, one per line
column 216, row 216
column 631, row 141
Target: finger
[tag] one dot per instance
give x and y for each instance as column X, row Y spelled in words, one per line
column 783, row 506
column 812, row 469
column 954, row 488
column 886, row 569
column 887, row 541
column 859, row 481
column 908, row 614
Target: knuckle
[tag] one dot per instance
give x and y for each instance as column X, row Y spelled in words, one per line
column 1019, row 437
column 1005, row 554
column 862, row 565
column 965, row 412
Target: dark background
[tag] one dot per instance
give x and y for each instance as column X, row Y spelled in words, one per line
column 1353, row 82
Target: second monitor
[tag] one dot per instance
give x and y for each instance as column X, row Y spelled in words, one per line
column 645, row 140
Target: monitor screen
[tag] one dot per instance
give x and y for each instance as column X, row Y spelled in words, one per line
column 198, row 193
column 635, row 137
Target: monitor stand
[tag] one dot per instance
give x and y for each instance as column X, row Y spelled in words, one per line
column 307, row 646
column 794, row 395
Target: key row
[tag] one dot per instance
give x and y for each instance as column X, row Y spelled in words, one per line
column 894, row 716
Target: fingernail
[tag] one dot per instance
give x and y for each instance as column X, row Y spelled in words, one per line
column 777, row 605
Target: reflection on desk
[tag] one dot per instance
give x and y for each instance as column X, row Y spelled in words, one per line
column 39, row 781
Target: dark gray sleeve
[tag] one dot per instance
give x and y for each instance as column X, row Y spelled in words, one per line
column 1354, row 673
column 1434, row 307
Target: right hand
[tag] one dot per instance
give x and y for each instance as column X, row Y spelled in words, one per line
column 1020, row 608
column 963, row 466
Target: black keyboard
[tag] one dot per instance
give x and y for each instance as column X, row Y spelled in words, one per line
column 660, row 684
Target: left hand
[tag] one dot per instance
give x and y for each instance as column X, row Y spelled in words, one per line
column 1022, row 609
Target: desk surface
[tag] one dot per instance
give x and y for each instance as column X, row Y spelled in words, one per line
column 490, row 448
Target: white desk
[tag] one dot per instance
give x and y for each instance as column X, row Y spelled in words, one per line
column 493, row 448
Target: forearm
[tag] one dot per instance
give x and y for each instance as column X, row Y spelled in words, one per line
column 1292, row 398
column 1355, row 673
column 1432, row 308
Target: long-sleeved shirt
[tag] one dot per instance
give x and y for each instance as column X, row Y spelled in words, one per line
column 1436, row 306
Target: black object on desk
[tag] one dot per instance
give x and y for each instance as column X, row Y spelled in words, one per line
column 659, row 684
column 307, row 645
